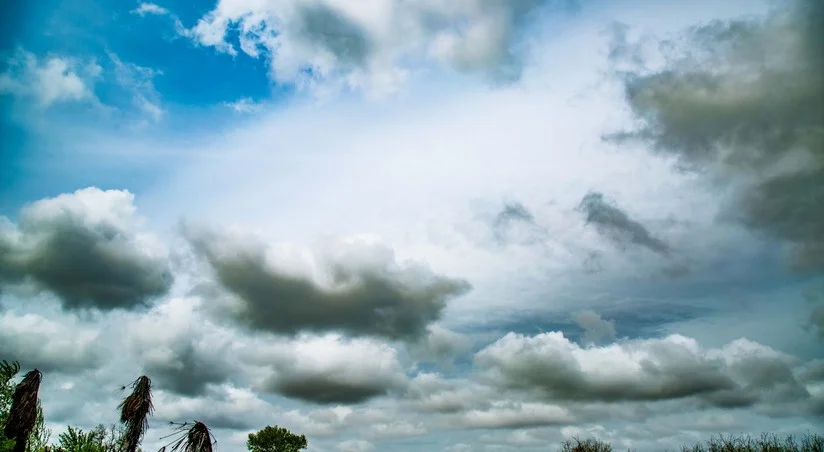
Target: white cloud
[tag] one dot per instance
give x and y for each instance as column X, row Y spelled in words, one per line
column 150, row 8
column 356, row 445
column 138, row 80
column 49, row 80
column 363, row 45
column 243, row 106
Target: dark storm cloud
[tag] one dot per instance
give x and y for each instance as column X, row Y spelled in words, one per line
column 373, row 295
column 743, row 101
column 82, row 247
column 327, row 389
column 187, row 370
column 615, row 224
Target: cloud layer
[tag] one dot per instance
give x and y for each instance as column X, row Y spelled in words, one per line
column 742, row 99
column 364, row 291
column 86, row 249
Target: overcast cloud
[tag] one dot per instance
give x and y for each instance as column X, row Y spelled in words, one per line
column 505, row 224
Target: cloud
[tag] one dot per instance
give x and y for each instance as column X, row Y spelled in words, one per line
column 150, row 8
column 515, row 223
column 331, row 369
column 222, row 407
column 243, row 106
column 740, row 101
column 742, row 373
column 371, row 47
column 183, row 352
column 356, row 445
column 50, row 80
column 365, row 292
column 138, row 82
column 517, row 415
column 595, row 328
column 85, row 247
column 615, row 224
column 42, row 343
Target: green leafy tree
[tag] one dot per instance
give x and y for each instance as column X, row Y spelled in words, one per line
column 39, row 436
column 76, row 440
column 275, row 439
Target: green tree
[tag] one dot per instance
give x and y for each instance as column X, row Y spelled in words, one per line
column 275, row 439
column 76, row 440
column 39, row 436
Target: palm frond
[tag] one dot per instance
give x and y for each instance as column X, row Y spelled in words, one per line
column 198, row 438
column 135, row 411
column 23, row 413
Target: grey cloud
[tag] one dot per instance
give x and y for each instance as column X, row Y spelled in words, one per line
column 738, row 375
column 331, row 370
column 515, row 223
column 328, row 389
column 83, row 248
column 380, row 298
column 741, row 101
column 615, row 224
column 595, row 328
column 38, row 342
column 188, row 370
column 478, row 36
column 320, row 25
column 181, row 351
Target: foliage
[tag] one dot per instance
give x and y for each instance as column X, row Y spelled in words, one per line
column 135, row 411
column 766, row 443
column 198, row 438
column 39, row 435
column 76, row 440
column 275, row 439
column 585, row 445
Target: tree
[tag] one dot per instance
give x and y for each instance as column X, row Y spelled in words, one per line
column 20, row 412
column 76, row 440
column 39, row 436
column 275, row 439
column 135, row 411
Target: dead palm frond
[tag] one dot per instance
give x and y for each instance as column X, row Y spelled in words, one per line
column 23, row 413
column 198, row 438
column 135, row 411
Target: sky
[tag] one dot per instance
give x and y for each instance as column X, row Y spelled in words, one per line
column 473, row 225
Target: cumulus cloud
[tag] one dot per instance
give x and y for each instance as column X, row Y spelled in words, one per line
column 222, row 407
column 179, row 349
column 595, row 328
column 331, row 369
column 42, row 343
column 49, row 80
column 371, row 46
column 615, row 224
column 742, row 373
column 741, row 100
column 364, row 291
column 86, row 248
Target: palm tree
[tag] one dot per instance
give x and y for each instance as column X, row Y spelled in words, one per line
column 196, row 439
column 23, row 413
column 135, row 411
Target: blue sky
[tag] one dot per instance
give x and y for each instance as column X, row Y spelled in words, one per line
column 393, row 225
